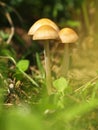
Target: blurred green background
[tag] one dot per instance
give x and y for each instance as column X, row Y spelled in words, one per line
column 64, row 12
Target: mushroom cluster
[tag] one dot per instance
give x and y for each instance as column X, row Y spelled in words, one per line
column 45, row 29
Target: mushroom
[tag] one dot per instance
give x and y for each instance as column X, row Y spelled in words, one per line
column 46, row 33
column 67, row 35
column 45, row 29
column 41, row 22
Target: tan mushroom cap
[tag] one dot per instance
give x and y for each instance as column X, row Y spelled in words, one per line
column 41, row 22
column 45, row 32
column 68, row 35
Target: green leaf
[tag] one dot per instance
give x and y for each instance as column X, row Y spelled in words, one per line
column 4, row 35
column 60, row 84
column 6, row 52
column 39, row 64
column 23, row 65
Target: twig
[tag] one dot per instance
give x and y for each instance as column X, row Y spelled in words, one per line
column 15, row 11
column 85, row 85
column 8, row 104
column 2, row 4
column 7, row 14
column 12, row 27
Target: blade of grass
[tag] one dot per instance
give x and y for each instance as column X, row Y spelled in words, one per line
column 39, row 64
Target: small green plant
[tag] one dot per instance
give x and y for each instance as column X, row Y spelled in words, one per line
column 60, row 85
column 21, row 67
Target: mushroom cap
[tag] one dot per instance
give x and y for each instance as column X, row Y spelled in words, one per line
column 45, row 32
column 41, row 22
column 68, row 35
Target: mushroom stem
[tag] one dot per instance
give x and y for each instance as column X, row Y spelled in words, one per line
column 48, row 68
column 65, row 61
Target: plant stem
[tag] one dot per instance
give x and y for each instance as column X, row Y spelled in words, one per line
column 85, row 14
column 48, row 68
column 96, row 17
column 65, row 61
column 28, row 77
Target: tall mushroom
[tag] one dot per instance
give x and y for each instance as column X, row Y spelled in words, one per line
column 67, row 35
column 45, row 29
column 46, row 33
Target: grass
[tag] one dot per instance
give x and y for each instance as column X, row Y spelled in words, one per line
column 73, row 106
column 72, row 110
column 79, row 112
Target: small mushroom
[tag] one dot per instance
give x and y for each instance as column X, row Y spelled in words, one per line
column 46, row 33
column 67, row 35
column 41, row 22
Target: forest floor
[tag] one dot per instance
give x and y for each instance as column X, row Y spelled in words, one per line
column 84, row 65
